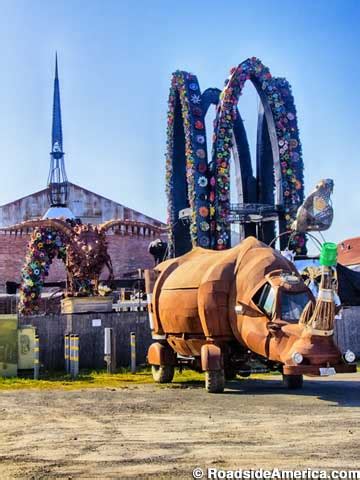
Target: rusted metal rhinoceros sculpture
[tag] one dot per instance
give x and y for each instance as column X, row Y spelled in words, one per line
column 218, row 311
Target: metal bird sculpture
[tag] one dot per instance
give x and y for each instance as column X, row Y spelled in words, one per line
column 316, row 213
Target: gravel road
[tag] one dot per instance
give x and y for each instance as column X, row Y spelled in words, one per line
column 148, row 431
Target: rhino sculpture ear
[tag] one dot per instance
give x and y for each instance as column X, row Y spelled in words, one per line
column 316, row 212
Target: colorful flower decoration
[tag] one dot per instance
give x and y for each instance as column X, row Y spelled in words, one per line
column 45, row 245
column 204, row 226
column 204, row 211
column 195, row 99
column 184, row 94
column 276, row 92
column 202, row 181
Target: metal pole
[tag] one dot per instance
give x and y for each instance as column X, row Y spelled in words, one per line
column 113, row 351
column 133, row 351
column 107, row 348
column 149, row 286
column 36, row 358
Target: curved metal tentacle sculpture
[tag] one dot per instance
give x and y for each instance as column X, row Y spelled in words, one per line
column 187, row 184
column 188, row 172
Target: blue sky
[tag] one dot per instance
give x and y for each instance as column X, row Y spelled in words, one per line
column 115, row 63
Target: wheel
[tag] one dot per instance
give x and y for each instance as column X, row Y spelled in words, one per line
column 214, row 381
column 163, row 373
column 293, row 382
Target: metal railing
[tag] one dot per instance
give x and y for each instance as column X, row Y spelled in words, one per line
column 252, row 212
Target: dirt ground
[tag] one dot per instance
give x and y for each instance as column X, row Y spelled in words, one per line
column 148, row 431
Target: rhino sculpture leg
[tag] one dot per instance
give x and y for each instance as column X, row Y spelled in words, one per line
column 162, row 360
column 213, row 365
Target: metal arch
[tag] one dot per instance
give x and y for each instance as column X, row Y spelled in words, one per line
column 245, row 181
column 241, row 150
column 288, row 174
column 271, row 131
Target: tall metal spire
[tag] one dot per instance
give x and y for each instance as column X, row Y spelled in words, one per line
column 57, row 180
column 56, row 136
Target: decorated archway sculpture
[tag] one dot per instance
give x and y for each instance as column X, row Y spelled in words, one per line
column 280, row 121
column 200, row 190
column 83, row 249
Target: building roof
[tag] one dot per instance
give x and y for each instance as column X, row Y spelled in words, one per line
column 82, row 202
column 349, row 251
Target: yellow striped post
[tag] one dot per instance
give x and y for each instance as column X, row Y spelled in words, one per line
column 133, row 351
column 36, row 358
column 76, row 356
column 67, row 353
column 71, row 354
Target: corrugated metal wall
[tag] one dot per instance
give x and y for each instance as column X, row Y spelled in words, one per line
column 52, row 328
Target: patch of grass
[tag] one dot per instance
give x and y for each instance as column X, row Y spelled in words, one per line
column 100, row 379
column 86, row 379
column 189, row 376
column 95, row 379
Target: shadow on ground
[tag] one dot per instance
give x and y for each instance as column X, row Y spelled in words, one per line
column 343, row 393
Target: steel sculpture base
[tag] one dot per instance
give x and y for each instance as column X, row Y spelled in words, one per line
column 86, row 304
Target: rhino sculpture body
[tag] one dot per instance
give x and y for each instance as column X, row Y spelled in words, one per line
column 221, row 310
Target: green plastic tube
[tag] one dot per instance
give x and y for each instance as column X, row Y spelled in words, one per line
column 328, row 254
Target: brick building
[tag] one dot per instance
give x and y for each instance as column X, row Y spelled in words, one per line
column 128, row 251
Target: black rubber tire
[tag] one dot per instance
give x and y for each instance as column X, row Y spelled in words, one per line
column 163, row 373
column 293, row 382
column 214, row 381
